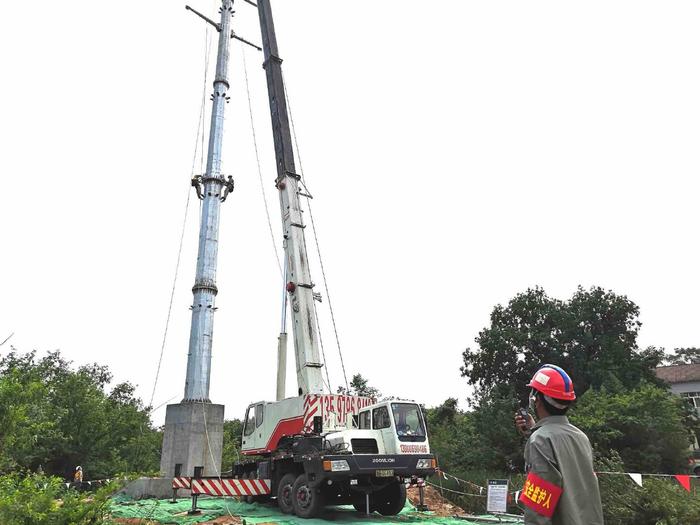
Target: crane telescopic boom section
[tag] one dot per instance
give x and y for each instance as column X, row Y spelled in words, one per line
column 299, row 287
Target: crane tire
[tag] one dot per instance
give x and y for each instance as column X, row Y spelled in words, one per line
column 308, row 501
column 390, row 500
column 361, row 506
column 284, row 493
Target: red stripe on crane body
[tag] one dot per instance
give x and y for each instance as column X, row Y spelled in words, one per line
column 285, row 427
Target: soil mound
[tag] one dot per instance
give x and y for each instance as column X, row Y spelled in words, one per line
column 436, row 503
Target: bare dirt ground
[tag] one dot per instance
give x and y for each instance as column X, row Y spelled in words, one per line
column 435, row 502
column 224, row 520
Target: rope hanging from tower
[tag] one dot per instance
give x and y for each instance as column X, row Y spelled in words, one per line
column 257, row 159
column 200, row 133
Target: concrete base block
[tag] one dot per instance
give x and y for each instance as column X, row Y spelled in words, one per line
column 193, row 437
column 146, row 488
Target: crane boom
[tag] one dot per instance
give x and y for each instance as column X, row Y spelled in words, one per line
column 299, row 285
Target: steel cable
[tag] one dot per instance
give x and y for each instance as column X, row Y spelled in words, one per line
column 200, row 124
column 313, row 228
column 257, row 158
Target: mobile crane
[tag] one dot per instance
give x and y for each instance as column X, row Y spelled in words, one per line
column 317, row 448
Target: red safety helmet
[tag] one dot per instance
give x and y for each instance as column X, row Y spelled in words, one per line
column 552, row 381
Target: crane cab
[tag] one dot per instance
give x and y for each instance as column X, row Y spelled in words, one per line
column 390, row 427
column 399, row 425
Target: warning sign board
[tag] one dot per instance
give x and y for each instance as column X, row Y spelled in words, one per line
column 497, row 496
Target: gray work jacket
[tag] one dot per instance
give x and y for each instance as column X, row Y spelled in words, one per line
column 561, row 454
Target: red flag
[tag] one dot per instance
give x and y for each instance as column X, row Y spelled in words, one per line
column 684, row 481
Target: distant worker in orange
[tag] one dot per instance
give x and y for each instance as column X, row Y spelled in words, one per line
column 561, row 486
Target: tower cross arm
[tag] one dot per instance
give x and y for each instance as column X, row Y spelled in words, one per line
column 203, row 17
column 234, row 35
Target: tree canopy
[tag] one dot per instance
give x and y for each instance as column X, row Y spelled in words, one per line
column 650, row 428
column 593, row 336
column 55, row 417
column 684, row 356
column 359, row 386
column 233, row 435
column 621, row 405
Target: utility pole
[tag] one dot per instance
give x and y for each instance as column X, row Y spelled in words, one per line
column 299, row 286
column 193, row 437
column 212, row 188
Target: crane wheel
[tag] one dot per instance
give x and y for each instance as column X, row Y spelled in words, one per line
column 390, row 500
column 361, row 506
column 308, row 501
column 284, row 493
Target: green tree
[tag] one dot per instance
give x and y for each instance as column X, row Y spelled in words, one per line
column 496, row 444
column 648, row 427
column 359, row 386
column 444, row 414
column 684, row 356
column 233, row 433
column 658, row 502
column 451, row 433
column 593, row 336
column 58, row 417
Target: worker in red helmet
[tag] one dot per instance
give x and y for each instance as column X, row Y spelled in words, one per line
column 561, row 487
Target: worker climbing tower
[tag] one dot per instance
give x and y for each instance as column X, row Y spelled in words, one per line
column 193, row 438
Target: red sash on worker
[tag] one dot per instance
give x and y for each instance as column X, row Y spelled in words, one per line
column 540, row 495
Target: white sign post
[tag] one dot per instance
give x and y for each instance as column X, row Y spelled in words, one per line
column 497, row 496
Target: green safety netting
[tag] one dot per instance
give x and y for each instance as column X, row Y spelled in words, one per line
column 164, row 512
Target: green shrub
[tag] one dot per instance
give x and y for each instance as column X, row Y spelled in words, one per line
column 648, row 426
column 40, row 500
column 659, row 501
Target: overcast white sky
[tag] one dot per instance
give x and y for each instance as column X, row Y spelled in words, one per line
column 459, row 152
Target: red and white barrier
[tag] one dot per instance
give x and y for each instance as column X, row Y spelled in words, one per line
column 181, row 483
column 231, row 487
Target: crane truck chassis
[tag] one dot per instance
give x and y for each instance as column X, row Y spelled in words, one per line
column 340, row 450
column 365, row 456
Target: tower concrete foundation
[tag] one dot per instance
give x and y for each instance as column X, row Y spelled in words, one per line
column 193, row 437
